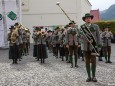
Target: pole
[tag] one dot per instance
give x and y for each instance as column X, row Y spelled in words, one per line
column 58, row 4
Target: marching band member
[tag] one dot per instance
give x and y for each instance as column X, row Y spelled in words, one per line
column 107, row 36
column 72, row 43
column 66, row 49
column 35, row 39
column 42, row 51
column 56, row 40
column 92, row 31
column 28, row 40
column 20, row 32
column 101, row 51
column 48, row 39
column 62, row 44
column 25, row 43
column 13, row 44
column 53, row 43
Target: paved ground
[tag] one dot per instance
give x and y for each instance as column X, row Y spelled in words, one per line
column 54, row 72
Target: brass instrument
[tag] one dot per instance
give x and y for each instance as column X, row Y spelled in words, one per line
column 14, row 35
column 41, row 34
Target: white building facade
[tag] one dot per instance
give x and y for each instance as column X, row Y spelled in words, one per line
column 47, row 13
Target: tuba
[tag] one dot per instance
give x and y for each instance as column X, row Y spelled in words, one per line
column 14, row 36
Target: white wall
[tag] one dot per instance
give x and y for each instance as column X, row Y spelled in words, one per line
column 47, row 13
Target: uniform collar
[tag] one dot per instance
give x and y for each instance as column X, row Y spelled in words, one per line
column 88, row 24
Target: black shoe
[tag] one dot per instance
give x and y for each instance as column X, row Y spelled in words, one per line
column 37, row 59
column 56, row 57
column 16, row 62
column 88, row 79
column 82, row 59
column 12, row 62
column 19, row 59
column 76, row 66
column 94, row 79
column 43, row 61
column 106, row 62
column 71, row 66
column 100, row 60
column 109, row 62
column 68, row 61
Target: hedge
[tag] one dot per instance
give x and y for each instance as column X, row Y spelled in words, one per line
column 109, row 24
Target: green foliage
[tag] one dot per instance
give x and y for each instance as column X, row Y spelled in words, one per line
column 109, row 24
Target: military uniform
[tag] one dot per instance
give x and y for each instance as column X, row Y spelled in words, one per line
column 25, row 43
column 28, row 40
column 101, row 53
column 53, row 43
column 107, row 36
column 42, row 51
column 62, row 45
column 72, row 41
column 66, row 49
column 35, row 40
column 13, row 45
column 88, row 48
column 49, row 40
column 20, row 32
column 56, row 41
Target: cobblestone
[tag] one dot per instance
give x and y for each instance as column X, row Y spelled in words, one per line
column 54, row 72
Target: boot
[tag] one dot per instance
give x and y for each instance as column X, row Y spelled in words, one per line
column 16, row 61
column 43, row 61
column 88, row 72
column 62, row 58
column 66, row 57
column 13, row 61
column 106, row 58
column 109, row 59
column 82, row 58
column 100, row 59
column 93, row 68
column 71, row 61
column 76, row 61
column 94, row 79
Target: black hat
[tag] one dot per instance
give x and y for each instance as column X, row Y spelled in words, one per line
column 57, row 28
column 16, row 24
column 87, row 15
column 66, row 26
column 37, row 28
column 72, row 22
column 62, row 29
column 49, row 31
column 12, row 27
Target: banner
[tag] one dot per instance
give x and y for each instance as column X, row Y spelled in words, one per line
column 1, row 26
column 10, row 13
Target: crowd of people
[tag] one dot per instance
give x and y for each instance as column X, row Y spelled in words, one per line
column 69, row 44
